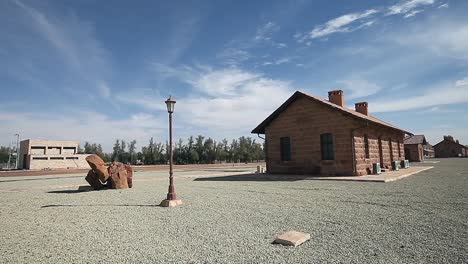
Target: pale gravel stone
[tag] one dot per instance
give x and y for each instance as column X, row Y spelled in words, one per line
column 420, row 219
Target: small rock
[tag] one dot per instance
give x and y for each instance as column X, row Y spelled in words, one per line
column 292, row 238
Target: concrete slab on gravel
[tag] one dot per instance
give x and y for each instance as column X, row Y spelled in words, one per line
column 384, row 177
column 292, row 238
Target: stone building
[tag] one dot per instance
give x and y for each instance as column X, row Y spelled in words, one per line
column 311, row 135
column 50, row 154
column 428, row 150
column 414, row 147
column 449, row 147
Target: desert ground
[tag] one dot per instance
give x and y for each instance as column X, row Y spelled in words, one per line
column 230, row 215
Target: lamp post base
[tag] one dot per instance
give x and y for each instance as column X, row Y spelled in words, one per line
column 170, row 203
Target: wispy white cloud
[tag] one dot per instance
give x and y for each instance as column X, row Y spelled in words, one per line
column 443, row 94
column 344, row 23
column 446, row 5
column 451, row 40
column 238, row 51
column 70, row 38
column 233, row 56
column 265, row 32
column 281, row 45
column 405, row 7
column 359, row 87
column 278, row 62
column 146, row 98
column 231, row 100
column 462, row 82
column 182, row 34
column 437, row 109
column 412, row 13
column 362, row 19
column 222, row 82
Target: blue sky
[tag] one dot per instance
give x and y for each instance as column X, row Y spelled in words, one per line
column 98, row 70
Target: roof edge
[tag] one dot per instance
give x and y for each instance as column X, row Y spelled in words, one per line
column 260, row 129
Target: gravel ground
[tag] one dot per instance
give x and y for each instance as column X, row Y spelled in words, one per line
column 419, row 219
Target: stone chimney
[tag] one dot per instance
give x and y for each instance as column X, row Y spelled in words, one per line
column 458, row 142
column 336, row 97
column 361, row 108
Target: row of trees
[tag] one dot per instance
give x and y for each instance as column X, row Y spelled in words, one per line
column 4, row 154
column 195, row 150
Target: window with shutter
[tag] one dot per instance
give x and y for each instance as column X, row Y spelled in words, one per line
column 285, row 148
column 326, row 143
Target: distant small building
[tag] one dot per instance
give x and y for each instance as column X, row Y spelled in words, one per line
column 428, row 150
column 311, row 135
column 450, row 148
column 51, row 154
column 414, row 147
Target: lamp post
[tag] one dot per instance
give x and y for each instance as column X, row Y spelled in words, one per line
column 171, row 199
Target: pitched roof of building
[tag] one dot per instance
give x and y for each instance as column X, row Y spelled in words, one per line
column 451, row 141
column 260, row 129
column 415, row 139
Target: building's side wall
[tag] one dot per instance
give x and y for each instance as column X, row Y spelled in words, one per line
column 40, row 162
column 303, row 121
column 24, row 150
column 447, row 149
column 415, row 151
column 377, row 154
column 52, row 154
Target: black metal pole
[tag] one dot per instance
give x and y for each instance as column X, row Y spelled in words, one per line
column 171, row 195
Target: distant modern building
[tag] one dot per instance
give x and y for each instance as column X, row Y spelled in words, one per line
column 449, row 147
column 414, row 147
column 311, row 135
column 51, row 154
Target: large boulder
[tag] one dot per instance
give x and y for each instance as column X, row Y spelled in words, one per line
column 118, row 175
column 98, row 166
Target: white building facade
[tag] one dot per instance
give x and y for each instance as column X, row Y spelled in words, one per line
column 51, row 154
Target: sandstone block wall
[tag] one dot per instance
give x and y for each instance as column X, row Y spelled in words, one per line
column 303, row 121
column 385, row 146
column 447, row 149
column 415, row 152
column 40, row 162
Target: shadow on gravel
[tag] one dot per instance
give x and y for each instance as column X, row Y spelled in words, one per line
column 255, row 177
column 80, row 189
column 99, row 205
